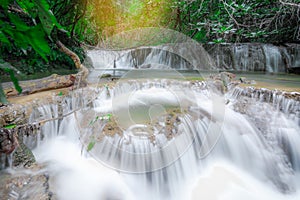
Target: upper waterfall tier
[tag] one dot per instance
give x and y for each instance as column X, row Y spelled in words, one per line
column 176, row 56
column 256, row 57
column 185, row 56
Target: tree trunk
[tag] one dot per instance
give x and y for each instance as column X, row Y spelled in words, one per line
column 83, row 71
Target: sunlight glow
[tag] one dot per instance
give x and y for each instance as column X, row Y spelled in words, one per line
column 114, row 16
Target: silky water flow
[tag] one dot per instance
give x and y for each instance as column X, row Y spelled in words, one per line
column 167, row 139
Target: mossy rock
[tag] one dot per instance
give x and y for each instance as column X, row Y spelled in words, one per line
column 23, row 156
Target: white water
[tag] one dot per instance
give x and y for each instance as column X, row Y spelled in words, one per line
column 188, row 55
column 240, row 57
column 255, row 57
column 273, row 59
column 255, row 157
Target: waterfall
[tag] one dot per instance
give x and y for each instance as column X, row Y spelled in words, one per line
column 212, row 150
column 285, row 102
column 273, row 59
column 256, row 57
column 238, row 57
column 179, row 56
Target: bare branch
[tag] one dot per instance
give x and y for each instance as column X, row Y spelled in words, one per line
column 290, row 4
column 230, row 15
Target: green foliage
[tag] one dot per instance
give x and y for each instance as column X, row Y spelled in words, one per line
column 218, row 21
column 19, row 28
column 106, row 117
column 47, row 18
column 10, row 126
column 6, row 67
column 28, row 32
column 94, row 120
column 91, row 144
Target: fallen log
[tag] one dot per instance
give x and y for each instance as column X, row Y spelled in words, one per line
column 33, row 86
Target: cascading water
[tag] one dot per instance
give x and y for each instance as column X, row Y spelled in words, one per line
column 256, row 57
column 187, row 55
column 211, row 150
column 155, row 138
column 273, row 59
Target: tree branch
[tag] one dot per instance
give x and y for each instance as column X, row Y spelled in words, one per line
column 290, row 4
column 83, row 70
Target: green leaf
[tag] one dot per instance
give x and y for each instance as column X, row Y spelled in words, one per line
column 15, row 81
column 106, row 117
column 4, row 39
column 8, row 68
column 19, row 38
column 10, row 126
column 28, row 7
column 20, row 25
column 47, row 18
column 4, row 3
column 36, row 37
column 109, row 116
column 93, row 121
column 60, row 93
column 91, row 144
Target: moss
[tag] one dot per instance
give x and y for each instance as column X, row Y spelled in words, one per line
column 23, row 157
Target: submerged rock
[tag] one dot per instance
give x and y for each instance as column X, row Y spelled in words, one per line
column 25, row 185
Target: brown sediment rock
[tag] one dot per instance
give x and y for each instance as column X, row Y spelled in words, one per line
column 266, row 94
column 170, row 121
column 23, row 185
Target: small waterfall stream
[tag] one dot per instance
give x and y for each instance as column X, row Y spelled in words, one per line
column 243, row 149
column 257, row 57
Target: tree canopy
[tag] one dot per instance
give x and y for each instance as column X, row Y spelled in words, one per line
column 216, row 21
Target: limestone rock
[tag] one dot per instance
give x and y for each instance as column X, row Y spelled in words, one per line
column 21, row 185
column 23, row 156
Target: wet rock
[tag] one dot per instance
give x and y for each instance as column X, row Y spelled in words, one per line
column 105, row 76
column 243, row 79
column 226, row 77
column 222, row 82
column 292, row 95
column 8, row 141
column 246, row 81
column 13, row 152
column 216, row 86
column 13, row 114
column 23, row 156
column 26, row 186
